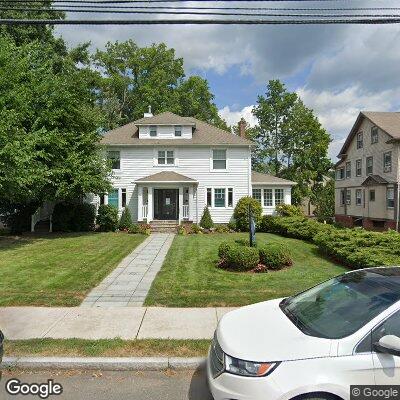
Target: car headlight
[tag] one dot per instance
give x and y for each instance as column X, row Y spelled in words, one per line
column 248, row 368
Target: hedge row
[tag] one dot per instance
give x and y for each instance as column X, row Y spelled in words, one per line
column 356, row 248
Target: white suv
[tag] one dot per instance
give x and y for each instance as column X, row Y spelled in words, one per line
column 343, row 332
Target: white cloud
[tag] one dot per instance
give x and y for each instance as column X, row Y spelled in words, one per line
column 233, row 117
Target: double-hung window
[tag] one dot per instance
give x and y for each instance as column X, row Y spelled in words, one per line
column 348, row 197
column 153, row 131
column 178, row 130
column 348, row 169
column 358, row 167
column 279, row 198
column 342, row 196
column 358, row 197
column 257, row 195
column 113, row 200
column 219, row 159
column 268, row 198
column 115, row 158
column 209, row 197
column 219, row 197
column 374, row 135
column 166, row 157
column 230, row 197
column 340, row 174
column 370, row 166
column 390, row 197
column 360, row 140
column 387, row 161
column 372, row 195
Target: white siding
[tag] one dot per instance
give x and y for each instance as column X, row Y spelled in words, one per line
column 165, row 132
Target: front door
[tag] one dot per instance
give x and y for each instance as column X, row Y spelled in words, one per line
column 166, row 204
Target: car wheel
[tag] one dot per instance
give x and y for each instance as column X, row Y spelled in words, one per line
column 318, row 396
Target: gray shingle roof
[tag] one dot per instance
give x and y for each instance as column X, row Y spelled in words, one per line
column 166, row 118
column 204, row 134
column 374, row 180
column 257, row 178
column 389, row 122
column 166, row 176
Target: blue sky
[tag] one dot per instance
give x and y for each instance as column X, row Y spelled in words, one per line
column 338, row 70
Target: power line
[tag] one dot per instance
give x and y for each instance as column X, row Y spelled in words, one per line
column 207, row 13
column 359, row 21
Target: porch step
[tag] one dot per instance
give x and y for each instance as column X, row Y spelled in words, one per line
column 164, row 226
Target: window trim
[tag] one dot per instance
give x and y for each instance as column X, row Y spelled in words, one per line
column 165, row 149
column 112, row 159
column 348, row 169
column 374, row 129
column 264, row 190
column 119, row 191
column 212, row 169
column 372, row 165
column 211, row 189
column 261, row 194
column 360, row 169
column 360, row 143
column 153, row 128
column 387, row 170
column 178, row 130
column 392, row 199
column 344, row 173
column 359, row 191
column 369, row 197
column 348, row 198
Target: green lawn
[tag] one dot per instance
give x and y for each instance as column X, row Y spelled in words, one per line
column 58, row 270
column 189, row 277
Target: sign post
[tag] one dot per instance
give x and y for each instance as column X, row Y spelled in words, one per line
column 252, row 228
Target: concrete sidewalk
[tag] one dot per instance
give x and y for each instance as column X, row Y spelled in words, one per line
column 109, row 322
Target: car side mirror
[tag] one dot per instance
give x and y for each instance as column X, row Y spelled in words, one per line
column 388, row 344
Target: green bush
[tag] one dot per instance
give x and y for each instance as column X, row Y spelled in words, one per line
column 275, row 256
column 125, row 221
column 241, row 258
column 145, row 229
column 195, row 228
column 221, row 229
column 289, row 210
column 182, row 230
column 134, row 228
column 223, row 250
column 241, row 213
column 206, row 221
column 232, row 225
column 73, row 217
column 243, row 242
column 107, row 218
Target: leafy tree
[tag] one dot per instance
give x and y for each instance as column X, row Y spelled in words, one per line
column 241, row 213
column 206, row 221
column 291, row 141
column 48, row 127
column 324, row 201
column 196, row 100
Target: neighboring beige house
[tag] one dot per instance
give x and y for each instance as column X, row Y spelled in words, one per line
column 367, row 175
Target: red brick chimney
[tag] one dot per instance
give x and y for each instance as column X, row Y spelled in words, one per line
column 242, row 128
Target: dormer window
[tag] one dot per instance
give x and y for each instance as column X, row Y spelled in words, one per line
column 153, row 131
column 178, row 130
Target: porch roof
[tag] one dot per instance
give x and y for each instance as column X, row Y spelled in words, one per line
column 258, row 178
column 374, row 180
column 166, row 177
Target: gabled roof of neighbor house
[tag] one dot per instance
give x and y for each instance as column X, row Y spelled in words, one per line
column 204, row 133
column 166, row 176
column 389, row 122
column 374, row 180
column 258, row 178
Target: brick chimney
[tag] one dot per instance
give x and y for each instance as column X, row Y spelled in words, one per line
column 242, row 128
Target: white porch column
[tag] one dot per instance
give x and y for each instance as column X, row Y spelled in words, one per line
column 180, row 204
column 140, row 203
column 149, row 204
column 191, row 202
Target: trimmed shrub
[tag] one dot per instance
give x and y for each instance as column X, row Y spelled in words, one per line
column 275, row 256
column 206, row 221
column 195, row 228
column 243, row 242
column 223, row 249
column 182, row 230
column 241, row 258
column 232, row 225
column 125, row 221
column 221, row 229
column 241, row 213
column 73, row 217
column 107, row 218
column 134, row 228
column 145, row 229
column 289, row 210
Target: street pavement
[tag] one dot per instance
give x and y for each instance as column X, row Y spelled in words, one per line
column 112, row 385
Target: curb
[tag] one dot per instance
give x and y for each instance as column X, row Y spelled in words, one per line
column 103, row 363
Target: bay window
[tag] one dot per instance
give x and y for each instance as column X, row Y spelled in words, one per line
column 268, row 198
column 257, row 195
column 279, row 199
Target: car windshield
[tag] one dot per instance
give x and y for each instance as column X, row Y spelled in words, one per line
column 341, row 306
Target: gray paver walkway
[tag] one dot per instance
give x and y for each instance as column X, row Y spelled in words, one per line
column 130, row 282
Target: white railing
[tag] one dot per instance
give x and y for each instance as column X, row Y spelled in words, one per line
column 185, row 211
column 35, row 218
column 144, row 211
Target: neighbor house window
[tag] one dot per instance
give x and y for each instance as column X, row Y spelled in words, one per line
column 115, row 158
column 219, row 197
column 230, row 197
column 342, row 197
column 166, row 157
column 390, row 198
column 348, row 169
column 387, row 161
column 340, row 173
column 358, row 197
column 219, row 159
column 348, row 196
column 370, row 165
column 257, row 195
column 268, row 198
column 102, row 199
column 374, row 135
column 372, row 195
column 358, row 167
column 178, row 130
column 153, row 131
column 359, row 140
column 209, row 197
column 113, row 198
column 279, row 199
column 123, row 197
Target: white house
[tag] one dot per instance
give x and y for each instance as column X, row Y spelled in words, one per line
column 167, row 167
